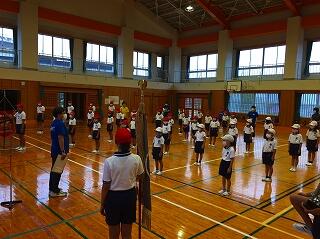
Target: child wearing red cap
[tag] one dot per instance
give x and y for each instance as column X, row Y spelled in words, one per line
column 40, row 117
column 110, row 126
column 72, row 128
column 166, row 135
column 96, row 132
column 20, row 116
column 70, row 108
column 186, row 127
column 194, row 129
column 90, row 116
column 171, row 123
column 119, row 117
column 180, row 117
column 124, row 124
column 133, row 130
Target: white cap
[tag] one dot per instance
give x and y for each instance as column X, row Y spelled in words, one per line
column 228, row 137
column 268, row 118
column 272, row 131
column 201, row 126
column 159, row 129
column 233, row 122
column 313, row 123
column 249, row 120
column 295, row 126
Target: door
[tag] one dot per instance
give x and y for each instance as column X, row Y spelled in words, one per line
column 192, row 105
column 9, row 99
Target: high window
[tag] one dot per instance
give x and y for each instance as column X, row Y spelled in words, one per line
column 99, row 58
column 203, row 66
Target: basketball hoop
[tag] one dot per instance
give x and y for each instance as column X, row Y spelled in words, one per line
column 234, row 86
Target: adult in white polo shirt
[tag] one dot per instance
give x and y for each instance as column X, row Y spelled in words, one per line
column 20, row 116
column 118, row 196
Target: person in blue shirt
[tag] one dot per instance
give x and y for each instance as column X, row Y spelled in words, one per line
column 253, row 114
column 59, row 148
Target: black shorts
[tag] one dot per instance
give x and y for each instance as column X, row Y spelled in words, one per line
column 247, row 138
column 223, row 169
column 118, row 122
column 133, row 133
column 156, row 153
column 180, row 121
column 95, row 135
column 198, row 147
column 167, row 139
column 316, row 227
column 193, row 132
column 267, row 158
column 121, row 207
column 294, row 150
column 20, row 129
column 207, row 126
column 224, row 124
column 90, row 123
column 234, row 143
column 109, row 127
column 186, row 128
column 265, row 133
column 213, row 132
column 312, row 145
column 40, row 117
column 158, row 123
column 72, row 129
column 200, row 120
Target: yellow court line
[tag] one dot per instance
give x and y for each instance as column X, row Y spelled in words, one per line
column 284, row 211
column 194, row 198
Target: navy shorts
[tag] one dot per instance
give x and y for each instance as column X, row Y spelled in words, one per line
column 198, row 147
column 294, row 150
column 156, row 153
column 213, row 132
column 95, row 135
column 167, row 139
column 223, row 169
column 312, row 145
column 247, row 138
column 20, row 129
column 267, row 158
column 40, row 117
column 109, row 127
column 133, row 133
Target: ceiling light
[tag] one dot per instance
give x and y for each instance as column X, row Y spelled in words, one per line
column 189, row 8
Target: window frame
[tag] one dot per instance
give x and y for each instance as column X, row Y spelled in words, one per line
column 137, row 68
column 314, row 64
column 206, row 71
column 10, row 53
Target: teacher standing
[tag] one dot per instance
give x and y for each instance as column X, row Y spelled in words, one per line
column 253, row 115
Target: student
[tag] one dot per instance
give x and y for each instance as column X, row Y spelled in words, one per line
column 72, row 129
column 93, row 107
column 20, row 116
column 199, row 116
column 267, row 125
column 121, row 172
column 295, row 143
column 110, row 121
column 133, row 130
column 157, row 151
column 70, row 108
column 171, row 123
column 225, row 168
column 214, row 129
column 166, row 135
column 233, row 118
column 207, row 121
column 124, row 124
column 247, row 134
column 119, row 117
column 225, row 121
column 268, row 154
column 124, row 110
column 96, row 132
column 233, row 131
column 194, row 129
column 40, row 117
column 111, row 108
column 316, row 116
column 200, row 141
column 186, row 127
column 313, row 137
column 158, row 119
column 180, row 117
column 253, row 114
column 90, row 117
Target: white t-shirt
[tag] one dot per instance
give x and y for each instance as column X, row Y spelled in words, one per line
column 20, row 117
column 269, row 146
column 295, row 139
column 119, row 115
column 109, row 120
column 96, row 126
column 248, row 130
column 70, row 108
column 72, row 121
column 132, row 124
column 166, row 129
column 122, row 171
column 200, row 115
column 181, row 115
column 157, row 142
column 90, row 116
column 185, row 120
column 313, row 135
column 200, row 136
column 41, row 109
column 268, row 126
column 93, row 108
column 235, row 120
column 233, row 131
column 214, row 124
column 171, row 122
column 228, row 154
column 225, row 118
column 159, row 116
column 194, row 125
column 207, row 119
column 111, row 108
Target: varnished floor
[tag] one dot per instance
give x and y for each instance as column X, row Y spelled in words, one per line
column 185, row 203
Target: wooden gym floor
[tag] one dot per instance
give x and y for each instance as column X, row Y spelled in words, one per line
column 185, row 201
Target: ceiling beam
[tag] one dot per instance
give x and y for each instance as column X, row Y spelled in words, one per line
column 292, row 7
column 214, row 12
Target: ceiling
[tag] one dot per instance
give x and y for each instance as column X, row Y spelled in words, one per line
column 173, row 11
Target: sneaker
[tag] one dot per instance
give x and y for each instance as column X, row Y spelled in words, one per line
column 196, row 163
column 133, row 147
column 184, row 140
column 155, row 172
column 221, row 191
column 109, row 140
column 292, row 169
column 309, row 164
column 268, row 180
column 180, row 133
column 225, row 193
column 97, row 151
column 246, row 152
column 264, row 180
column 165, row 153
column 89, row 136
column 21, row 149
column 94, row 151
column 213, row 145
column 18, row 148
column 59, row 194
column 192, row 147
column 159, row 173
column 199, row 164
column 209, row 144
column 302, row 228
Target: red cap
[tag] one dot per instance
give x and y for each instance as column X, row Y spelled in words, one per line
column 19, row 106
column 125, row 122
column 110, row 112
column 111, row 102
column 195, row 118
column 123, row 136
column 96, row 115
column 72, row 113
column 165, row 119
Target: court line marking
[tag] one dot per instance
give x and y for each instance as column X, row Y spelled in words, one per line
column 189, row 196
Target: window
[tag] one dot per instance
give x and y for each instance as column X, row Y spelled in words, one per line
column 314, row 65
column 192, row 105
column 141, row 63
column 7, row 51
column 262, row 61
column 204, row 66
column 99, row 58
column 267, row 104
column 159, row 61
column 54, row 51
column 308, row 102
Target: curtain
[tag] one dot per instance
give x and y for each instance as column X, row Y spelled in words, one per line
column 15, row 45
column 237, row 64
column 226, row 99
column 150, row 66
column 308, row 55
column 71, row 54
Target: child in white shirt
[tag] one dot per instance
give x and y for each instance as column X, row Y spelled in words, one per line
column 214, row 129
column 96, row 132
column 72, row 128
column 207, row 121
column 110, row 121
column 295, row 143
column 268, row 154
column 233, row 131
column 200, row 140
column 313, row 136
column 157, row 151
column 186, row 127
column 267, row 125
column 247, row 134
column 133, row 130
